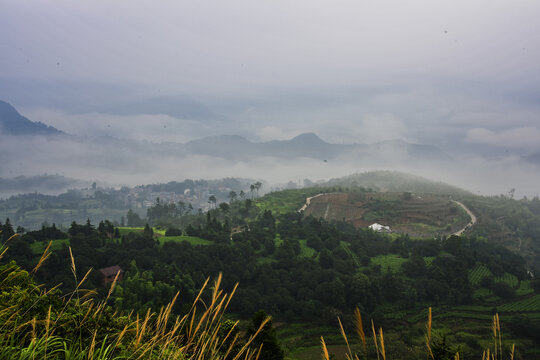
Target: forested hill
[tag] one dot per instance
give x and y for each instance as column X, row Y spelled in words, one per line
column 303, row 270
column 395, row 181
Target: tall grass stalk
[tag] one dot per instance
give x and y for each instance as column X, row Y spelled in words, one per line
column 380, row 347
column 81, row 328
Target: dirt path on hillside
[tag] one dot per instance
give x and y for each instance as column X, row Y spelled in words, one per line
column 471, row 223
column 308, row 201
column 457, row 233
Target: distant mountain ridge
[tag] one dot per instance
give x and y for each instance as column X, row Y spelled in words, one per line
column 238, row 148
column 307, row 145
column 45, row 184
column 13, row 123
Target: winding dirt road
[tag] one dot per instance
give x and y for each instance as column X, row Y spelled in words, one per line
column 457, row 233
column 308, row 201
column 471, row 223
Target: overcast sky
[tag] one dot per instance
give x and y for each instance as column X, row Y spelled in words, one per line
column 456, row 74
column 464, row 64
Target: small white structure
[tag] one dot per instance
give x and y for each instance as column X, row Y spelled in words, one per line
column 379, row 227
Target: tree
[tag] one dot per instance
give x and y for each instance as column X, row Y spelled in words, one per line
column 181, row 208
column 133, row 219
column 414, row 267
column 257, row 185
column 148, row 230
column 252, row 188
column 232, row 195
column 7, row 231
column 212, row 200
column 267, row 337
column 441, row 350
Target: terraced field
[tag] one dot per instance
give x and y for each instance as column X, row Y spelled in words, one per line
column 478, row 273
column 528, row 304
column 416, row 214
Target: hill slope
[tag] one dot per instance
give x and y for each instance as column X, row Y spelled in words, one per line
column 416, row 215
column 395, row 181
column 13, row 123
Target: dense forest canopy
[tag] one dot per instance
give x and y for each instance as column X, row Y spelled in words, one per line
column 297, row 268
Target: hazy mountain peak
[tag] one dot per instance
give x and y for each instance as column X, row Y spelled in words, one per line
column 307, row 138
column 13, row 123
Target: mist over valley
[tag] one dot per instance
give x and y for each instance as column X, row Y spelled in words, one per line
column 270, row 180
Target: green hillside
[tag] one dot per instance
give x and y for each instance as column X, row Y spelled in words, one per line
column 394, row 181
column 306, row 268
column 419, row 215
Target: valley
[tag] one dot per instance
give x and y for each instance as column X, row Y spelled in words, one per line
column 306, row 256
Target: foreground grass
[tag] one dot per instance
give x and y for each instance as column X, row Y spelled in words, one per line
column 37, row 323
column 373, row 343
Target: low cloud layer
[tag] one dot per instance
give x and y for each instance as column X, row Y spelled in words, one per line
column 119, row 162
column 459, row 75
column 142, row 127
column 516, row 138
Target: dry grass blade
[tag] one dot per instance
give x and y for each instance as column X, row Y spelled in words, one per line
column 84, row 278
column 382, row 344
column 143, row 328
column 259, row 352
column 217, row 284
column 429, row 324
column 359, row 327
column 121, row 336
column 48, row 321
column 250, row 340
column 92, row 346
column 44, row 256
column 375, row 339
column 428, row 335
column 113, row 285
column 73, row 268
column 3, row 252
column 345, row 337
column 11, row 238
column 232, row 344
column 428, row 346
column 325, row 355
column 499, row 331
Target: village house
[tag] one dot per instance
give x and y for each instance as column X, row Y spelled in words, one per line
column 109, row 273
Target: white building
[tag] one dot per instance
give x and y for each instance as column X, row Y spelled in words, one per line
column 379, row 227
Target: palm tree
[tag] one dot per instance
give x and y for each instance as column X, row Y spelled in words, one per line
column 212, row 200
column 258, row 185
